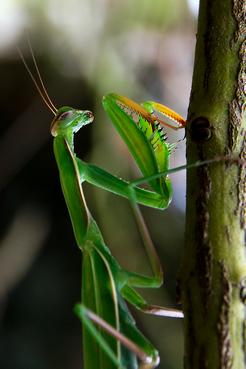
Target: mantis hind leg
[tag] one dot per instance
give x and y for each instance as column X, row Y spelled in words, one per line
column 86, row 317
column 131, row 338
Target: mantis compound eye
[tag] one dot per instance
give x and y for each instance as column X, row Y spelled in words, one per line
column 65, row 115
column 61, row 121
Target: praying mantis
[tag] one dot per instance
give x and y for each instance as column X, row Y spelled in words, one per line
column 105, row 283
column 110, row 336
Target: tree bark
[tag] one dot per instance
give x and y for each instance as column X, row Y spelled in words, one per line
column 213, row 274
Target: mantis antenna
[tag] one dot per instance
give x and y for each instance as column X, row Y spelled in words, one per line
column 41, row 89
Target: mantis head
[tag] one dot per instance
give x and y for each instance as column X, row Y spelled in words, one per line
column 69, row 119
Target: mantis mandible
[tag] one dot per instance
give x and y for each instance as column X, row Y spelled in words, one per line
column 116, row 342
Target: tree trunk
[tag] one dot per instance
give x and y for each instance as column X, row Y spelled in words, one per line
column 213, row 278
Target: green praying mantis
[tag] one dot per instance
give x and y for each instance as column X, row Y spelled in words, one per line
column 105, row 284
column 110, row 336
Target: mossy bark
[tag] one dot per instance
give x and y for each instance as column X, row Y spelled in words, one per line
column 213, row 278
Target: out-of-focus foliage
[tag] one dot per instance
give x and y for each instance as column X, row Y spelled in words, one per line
column 84, row 49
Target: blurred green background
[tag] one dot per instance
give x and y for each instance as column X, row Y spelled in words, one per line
column 143, row 49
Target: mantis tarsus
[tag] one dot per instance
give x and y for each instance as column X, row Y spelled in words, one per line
column 116, row 342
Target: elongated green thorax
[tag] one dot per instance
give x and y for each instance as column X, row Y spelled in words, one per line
column 66, row 123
